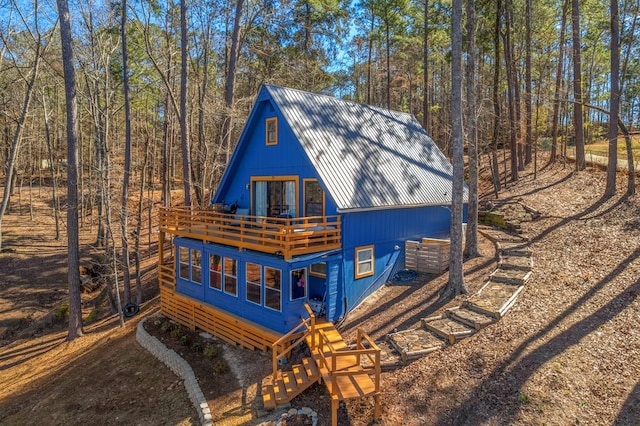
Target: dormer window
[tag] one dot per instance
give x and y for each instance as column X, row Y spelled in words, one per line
column 272, row 131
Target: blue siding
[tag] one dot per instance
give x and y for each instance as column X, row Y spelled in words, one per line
column 287, row 158
column 386, row 230
column 291, row 310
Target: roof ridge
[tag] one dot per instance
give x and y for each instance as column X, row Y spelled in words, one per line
column 333, row 98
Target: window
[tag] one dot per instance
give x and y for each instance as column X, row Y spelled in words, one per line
column 196, row 266
column 272, row 288
column 272, row 131
column 183, row 256
column 364, row 261
column 190, row 264
column 318, row 270
column 254, row 283
column 275, row 196
column 313, row 198
column 298, row 283
column 215, row 271
column 230, row 266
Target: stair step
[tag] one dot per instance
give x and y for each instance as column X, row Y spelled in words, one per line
column 280, row 392
column 514, row 249
column 448, row 328
column 469, row 317
column 514, row 277
column 310, row 368
column 519, row 263
column 494, row 299
column 290, row 385
column 301, row 375
column 268, row 397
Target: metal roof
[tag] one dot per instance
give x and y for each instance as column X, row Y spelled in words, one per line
column 366, row 157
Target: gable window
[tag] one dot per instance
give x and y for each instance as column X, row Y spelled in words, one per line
column 272, row 131
column 230, row 267
column 364, row 261
column 254, row 283
column 298, row 283
column 215, row 271
column 272, row 288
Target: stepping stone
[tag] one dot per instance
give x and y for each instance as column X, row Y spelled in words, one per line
column 448, row 328
column 494, row 299
column 514, row 277
column 519, row 263
column 412, row 344
column 471, row 318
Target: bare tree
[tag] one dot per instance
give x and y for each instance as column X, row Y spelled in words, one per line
column 124, row 217
column 527, row 89
column 472, row 135
column 30, row 80
column 456, row 284
column 184, row 130
column 73, row 244
column 229, row 92
column 614, row 102
column 558, row 84
column 577, row 86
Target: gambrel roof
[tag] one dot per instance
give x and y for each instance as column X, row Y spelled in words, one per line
column 366, row 157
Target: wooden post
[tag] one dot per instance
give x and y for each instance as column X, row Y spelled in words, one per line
column 334, row 410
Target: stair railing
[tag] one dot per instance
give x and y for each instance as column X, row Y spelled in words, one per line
column 365, row 347
column 281, row 347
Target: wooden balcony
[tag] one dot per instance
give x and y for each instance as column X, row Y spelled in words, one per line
column 287, row 237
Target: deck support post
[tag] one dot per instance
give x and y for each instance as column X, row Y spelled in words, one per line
column 335, row 402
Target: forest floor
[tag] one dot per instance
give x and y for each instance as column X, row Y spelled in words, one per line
column 568, row 352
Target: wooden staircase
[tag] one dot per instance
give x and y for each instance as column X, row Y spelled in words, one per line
column 331, row 361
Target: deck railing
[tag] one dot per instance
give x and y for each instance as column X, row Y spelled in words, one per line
column 284, row 345
column 284, row 236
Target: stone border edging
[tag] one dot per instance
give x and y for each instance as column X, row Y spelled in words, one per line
column 180, row 368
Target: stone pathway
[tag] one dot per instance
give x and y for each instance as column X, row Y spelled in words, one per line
column 485, row 307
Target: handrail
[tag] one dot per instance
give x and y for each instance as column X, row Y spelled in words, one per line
column 296, row 335
column 286, row 236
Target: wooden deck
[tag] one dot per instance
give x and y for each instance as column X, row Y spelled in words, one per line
column 331, row 361
column 287, row 237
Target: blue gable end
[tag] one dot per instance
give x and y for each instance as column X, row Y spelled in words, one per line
column 254, row 158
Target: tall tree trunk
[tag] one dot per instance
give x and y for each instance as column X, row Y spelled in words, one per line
column 229, row 93
column 472, row 135
column 73, row 244
column 527, row 91
column 614, row 100
column 496, row 100
column 456, row 284
column 388, row 59
column 425, row 66
column 184, row 122
column 558, row 85
column 143, row 176
column 508, row 58
column 54, row 183
column 124, row 218
column 577, row 86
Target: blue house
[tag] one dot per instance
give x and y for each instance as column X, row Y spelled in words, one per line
column 315, row 206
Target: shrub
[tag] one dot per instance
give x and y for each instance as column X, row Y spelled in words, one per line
column 165, row 327
column 185, row 340
column 220, row 367
column 211, row 352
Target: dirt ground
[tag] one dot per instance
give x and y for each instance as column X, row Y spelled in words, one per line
column 568, row 352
